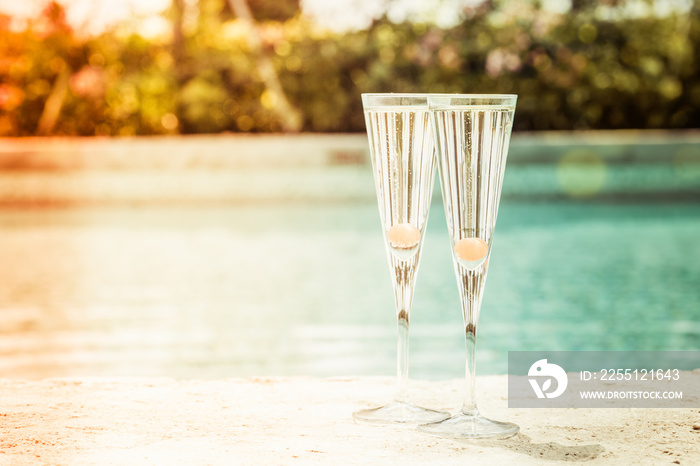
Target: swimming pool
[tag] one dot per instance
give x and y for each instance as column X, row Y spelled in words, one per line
column 304, row 289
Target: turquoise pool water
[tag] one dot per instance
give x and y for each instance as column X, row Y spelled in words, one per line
column 305, row 290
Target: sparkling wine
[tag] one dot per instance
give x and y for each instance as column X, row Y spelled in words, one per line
column 401, row 145
column 472, row 145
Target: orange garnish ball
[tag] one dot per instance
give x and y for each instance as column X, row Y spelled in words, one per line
column 471, row 249
column 403, row 236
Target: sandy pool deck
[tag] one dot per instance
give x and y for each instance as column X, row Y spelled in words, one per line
column 300, row 420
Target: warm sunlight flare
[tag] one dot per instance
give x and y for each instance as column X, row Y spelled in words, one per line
column 92, row 16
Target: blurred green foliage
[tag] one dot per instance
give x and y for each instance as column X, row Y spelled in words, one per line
column 571, row 71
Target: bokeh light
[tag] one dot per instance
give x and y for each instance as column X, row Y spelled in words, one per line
column 581, row 173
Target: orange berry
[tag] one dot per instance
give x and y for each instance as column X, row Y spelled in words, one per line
column 403, row 236
column 471, row 249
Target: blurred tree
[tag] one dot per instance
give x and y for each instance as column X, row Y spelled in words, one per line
column 39, row 64
column 274, row 10
column 274, row 93
column 56, row 31
column 178, row 42
column 268, row 68
column 579, row 6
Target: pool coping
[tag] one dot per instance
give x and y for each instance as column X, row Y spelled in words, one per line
column 306, row 420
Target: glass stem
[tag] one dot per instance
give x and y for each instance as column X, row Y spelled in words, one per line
column 469, row 405
column 402, row 357
column 404, row 274
column 471, row 288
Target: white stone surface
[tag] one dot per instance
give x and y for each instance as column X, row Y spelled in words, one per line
column 308, row 421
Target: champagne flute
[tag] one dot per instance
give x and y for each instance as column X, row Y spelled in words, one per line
column 403, row 162
column 472, row 134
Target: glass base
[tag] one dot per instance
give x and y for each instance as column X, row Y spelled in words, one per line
column 468, row 426
column 398, row 412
